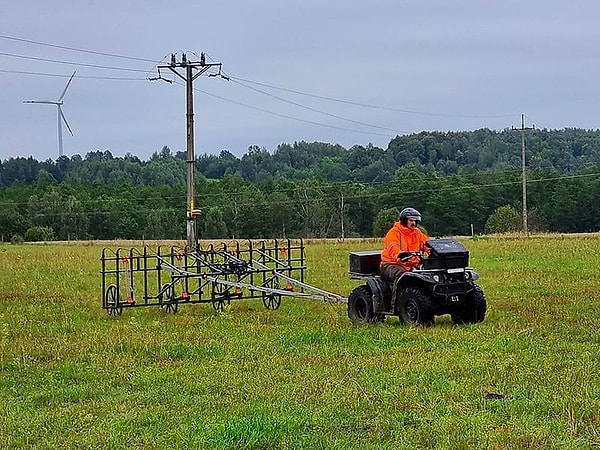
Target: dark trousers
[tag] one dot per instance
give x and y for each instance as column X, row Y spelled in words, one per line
column 391, row 273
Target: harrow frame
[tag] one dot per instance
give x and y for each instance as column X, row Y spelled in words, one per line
column 173, row 275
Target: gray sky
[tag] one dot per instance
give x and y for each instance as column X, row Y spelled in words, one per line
column 394, row 67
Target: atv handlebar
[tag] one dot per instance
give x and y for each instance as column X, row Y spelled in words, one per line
column 405, row 256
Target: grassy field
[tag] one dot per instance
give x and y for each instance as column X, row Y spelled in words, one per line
column 303, row 376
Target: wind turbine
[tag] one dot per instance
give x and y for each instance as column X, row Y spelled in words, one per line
column 61, row 116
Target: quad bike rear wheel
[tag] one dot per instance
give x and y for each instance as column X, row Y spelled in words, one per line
column 360, row 306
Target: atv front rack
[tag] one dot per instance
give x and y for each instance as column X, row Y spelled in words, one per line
column 171, row 276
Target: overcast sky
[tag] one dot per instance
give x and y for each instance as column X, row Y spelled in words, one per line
column 333, row 71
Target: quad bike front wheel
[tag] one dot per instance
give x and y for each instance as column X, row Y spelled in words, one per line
column 414, row 307
column 473, row 310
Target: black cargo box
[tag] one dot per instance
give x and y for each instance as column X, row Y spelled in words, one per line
column 365, row 262
column 446, row 254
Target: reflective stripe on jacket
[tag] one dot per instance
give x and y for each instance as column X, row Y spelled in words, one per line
column 402, row 239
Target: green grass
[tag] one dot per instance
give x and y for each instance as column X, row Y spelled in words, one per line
column 303, row 376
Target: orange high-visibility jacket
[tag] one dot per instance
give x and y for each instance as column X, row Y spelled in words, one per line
column 402, row 239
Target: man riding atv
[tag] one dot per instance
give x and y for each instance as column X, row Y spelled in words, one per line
column 415, row 278
column 404, row 236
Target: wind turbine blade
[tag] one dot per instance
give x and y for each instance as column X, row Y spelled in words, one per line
column 65, row 120
column 66, row 87
column 46, row 102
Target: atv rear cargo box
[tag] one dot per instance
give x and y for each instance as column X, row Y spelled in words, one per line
column 446, row 254
column 365, row 262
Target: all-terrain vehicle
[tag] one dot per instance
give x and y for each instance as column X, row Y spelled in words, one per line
column 442, row 283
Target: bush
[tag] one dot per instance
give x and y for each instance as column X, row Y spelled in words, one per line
column 504, row 220
column 36, row 234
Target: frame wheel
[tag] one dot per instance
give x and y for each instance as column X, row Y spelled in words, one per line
column 219, row 304
column 112, row 301
column 167, row 298
column 220, row 296
column 271, row 301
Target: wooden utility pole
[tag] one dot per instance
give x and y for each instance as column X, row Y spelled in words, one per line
column 524, row 172
column 191, row 71
column 342, row 214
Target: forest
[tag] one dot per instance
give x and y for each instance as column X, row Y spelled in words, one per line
column 462, row 182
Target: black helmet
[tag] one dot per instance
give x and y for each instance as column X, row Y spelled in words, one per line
column 409, row 213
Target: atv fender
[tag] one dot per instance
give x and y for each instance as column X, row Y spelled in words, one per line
column 380, row 289
column 416, row 277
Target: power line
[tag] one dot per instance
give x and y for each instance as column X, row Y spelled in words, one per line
column 209, row 94
column 91, row 77
column 239, row 80
column 285, row 116
column 202, row 92
column 46, row 44
column 319, row 111
column 71, row 63
column 365, row 105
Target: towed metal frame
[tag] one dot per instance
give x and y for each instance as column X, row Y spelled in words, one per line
column 171, row 276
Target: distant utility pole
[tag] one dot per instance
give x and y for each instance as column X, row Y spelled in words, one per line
column 524, row 172
column 190, row 71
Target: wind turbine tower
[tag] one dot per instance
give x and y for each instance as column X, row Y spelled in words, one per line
column 61, row 116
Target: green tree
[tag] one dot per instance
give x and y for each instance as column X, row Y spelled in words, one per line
column 214, row 225
column 384, row 220
column 314, row 207
column 12, row 221
column 280, row 214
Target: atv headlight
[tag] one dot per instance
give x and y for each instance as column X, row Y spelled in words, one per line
column 471, row 275
column 436, row 278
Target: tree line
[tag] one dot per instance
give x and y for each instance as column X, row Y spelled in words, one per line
column 461, row 182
